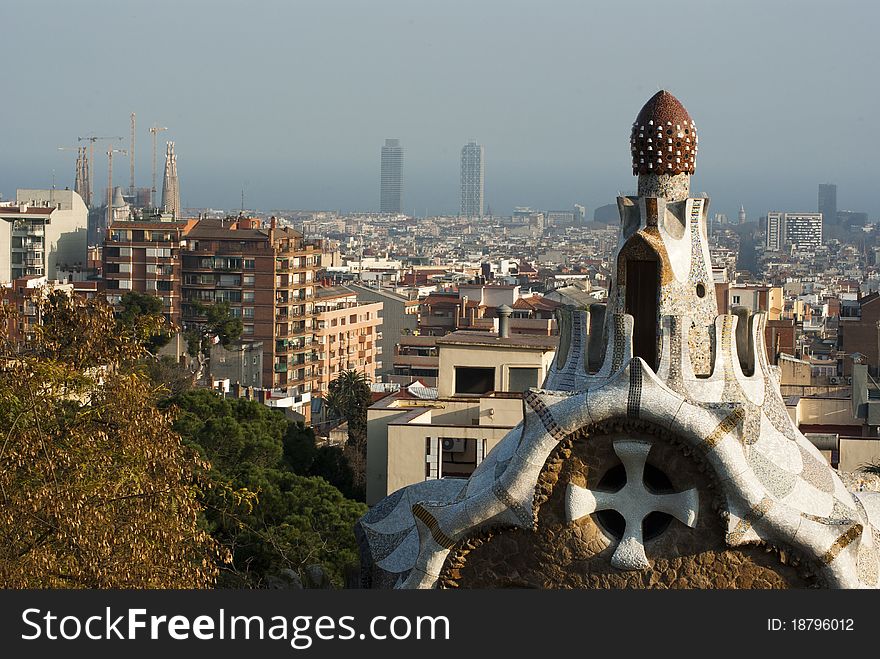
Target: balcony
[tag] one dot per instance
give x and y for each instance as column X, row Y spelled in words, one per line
column 281, row 368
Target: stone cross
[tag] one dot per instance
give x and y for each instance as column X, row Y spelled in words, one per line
column 634, row 502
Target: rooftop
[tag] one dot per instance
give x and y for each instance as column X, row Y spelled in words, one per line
column 528, row 341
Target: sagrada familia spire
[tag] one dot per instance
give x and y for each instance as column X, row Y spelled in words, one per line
column 658, row 453
column 81, row 182
column 170, row 184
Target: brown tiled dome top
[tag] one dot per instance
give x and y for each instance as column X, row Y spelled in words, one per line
column 664, row 138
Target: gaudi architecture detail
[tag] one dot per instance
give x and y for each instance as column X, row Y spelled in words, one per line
column 659, row 452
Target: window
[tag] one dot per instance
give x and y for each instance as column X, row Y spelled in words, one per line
column 248, row 329
column 247, row 296
column 229, row 280
column 125, row 251
column 247, row 312
column 125, row 283
column 248, row 264
column 247, row 280
column 736, row 299
column 151, row 285
column 474, row 380
column 227, row 296
column 521, row 379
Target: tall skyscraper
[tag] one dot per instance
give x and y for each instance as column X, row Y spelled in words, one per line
column 170, row 184
column 828, row 204
column 742, row 214
column 391, row 183
column 472, row 174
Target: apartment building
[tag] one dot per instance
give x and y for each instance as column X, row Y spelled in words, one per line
column 267, row 275
column 445, row 432
column 42, row 231
column 400, row 318
column 144, row 256
column 347, row 335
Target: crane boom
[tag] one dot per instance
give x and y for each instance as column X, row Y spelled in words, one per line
column 155, row 130
column 92, row 139
column 131, row 160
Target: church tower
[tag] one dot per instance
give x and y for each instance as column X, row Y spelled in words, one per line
column 170, row 185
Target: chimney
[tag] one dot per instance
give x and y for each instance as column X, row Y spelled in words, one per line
column 504, row 321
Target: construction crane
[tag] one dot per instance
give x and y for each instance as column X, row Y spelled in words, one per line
column 110, row 153
column 131, row 161
column 92, row 139
column 155, row 130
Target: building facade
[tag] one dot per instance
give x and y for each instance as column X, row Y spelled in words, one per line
column 400, row 317
column 803, row 231
column 391, row 182
column 144, row 256
column 774, row 236
column 347, row 335
column 42, row 231
column 472, row 176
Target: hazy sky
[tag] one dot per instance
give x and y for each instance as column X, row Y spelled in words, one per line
column 293, row 100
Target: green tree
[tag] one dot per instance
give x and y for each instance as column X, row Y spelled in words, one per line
column 138, row 317
column 96, row 489
column 264, row 507
column 348, row 398
column 219, row 323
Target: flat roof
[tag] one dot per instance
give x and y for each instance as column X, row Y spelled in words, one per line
column 529, row 341
column 416, row 360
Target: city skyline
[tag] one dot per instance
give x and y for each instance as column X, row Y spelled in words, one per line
column 282, row 126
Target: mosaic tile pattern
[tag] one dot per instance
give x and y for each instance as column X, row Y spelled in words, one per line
column 634, row 398
column 742, row 527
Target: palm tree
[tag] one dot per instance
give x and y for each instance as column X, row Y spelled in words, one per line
column 348, row 398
